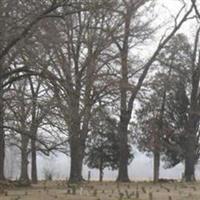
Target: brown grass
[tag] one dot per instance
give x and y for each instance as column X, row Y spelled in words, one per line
column 104, row 191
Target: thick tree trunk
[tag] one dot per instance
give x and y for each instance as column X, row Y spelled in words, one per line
column 191, row 128
column 191, row 139
column 33, row 132
column 76, row 164
column 24, row 178
column 124, row 120
column 33, row 161
column 76, row 142
column 76, row 159
column 156, row 166
column 2, row 136
column 24, row 168
column 124, row 152
column 189, row 169
column 190, row 159
column 190, row 145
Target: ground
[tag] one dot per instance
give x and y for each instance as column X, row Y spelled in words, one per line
column 103, row 191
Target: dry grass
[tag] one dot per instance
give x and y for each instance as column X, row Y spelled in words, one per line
column 105, row 191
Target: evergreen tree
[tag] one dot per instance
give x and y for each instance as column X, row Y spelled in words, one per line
column 103, row 144
column 164, row 111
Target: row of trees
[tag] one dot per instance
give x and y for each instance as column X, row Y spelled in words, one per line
column 63, row 62
column 169, row 117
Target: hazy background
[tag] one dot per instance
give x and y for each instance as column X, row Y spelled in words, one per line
column 59, row 165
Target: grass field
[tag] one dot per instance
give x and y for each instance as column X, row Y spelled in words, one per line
column 103, row 191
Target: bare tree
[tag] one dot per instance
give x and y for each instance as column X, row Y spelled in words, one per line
column 28, row 105
column 79, row 76
column 19, row 20
column 128, row 94
column 196, row 8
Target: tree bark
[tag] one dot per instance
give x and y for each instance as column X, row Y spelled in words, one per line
column 24, row 178
column 33, row 131
column 100, row 175
column 77, row 152
column 189, row 167
column 190, row 153
column 77, row 136
column 124, row 152
column 76, row 161
column 101, row 170
column 156, row 167
column 124, row 115
column 2, row 135
column 33, row 162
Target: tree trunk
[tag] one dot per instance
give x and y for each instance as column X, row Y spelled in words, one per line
column 190, row 159
column 191, row 145
column 24, row 178
column 124, row 120
column 189, row 169
column 101, row 170
column 157, row 135
column 24, row 168
column 33, row 132
column 100, row 175
column 191, row 140
column 191, row 128
column 76, row 159
column 2, row 135
column 124, row 152
column 156, row 166
column 76, row 164
column 33, row 161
